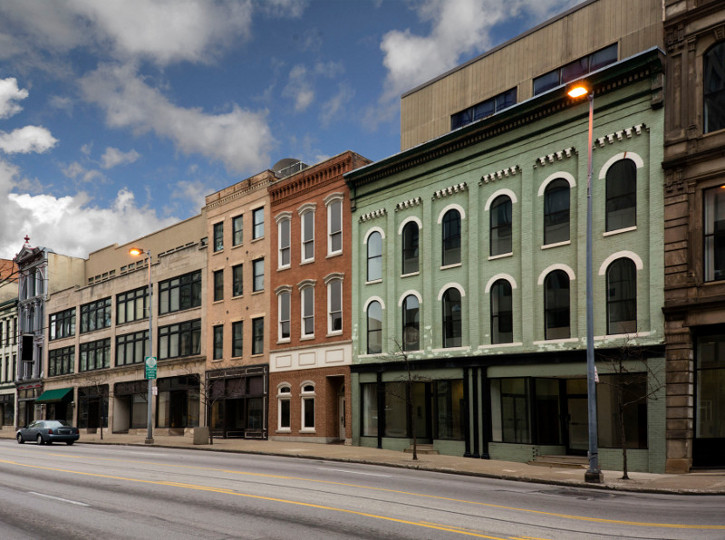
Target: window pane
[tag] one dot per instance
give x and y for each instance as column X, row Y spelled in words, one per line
column 258, row 223
column 556, row 212
column 452, row 328
column 501, row 313
column 335, row 210
column 395, row 410
column 546, row 82
column 284, row 242
column 308, row 311
column 375, row 328
column 451, row 238
column 237, row 230
column 621, row 297
column 335, row 301
column 556, row 302
column 622, row 195
column 501, row 219
column 218, row 236
column 237, row 283
column 714, row 216
column 411, row 324
column 370, row 410
column 375, row 257
column 308, row 235
column 410, row 248
column 284, row 315
column 258, row 267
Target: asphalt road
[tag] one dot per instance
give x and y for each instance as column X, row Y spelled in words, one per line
column 89, row 491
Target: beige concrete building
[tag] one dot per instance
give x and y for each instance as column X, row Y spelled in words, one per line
column 97, row 335
column 236, row 386
column 589, row 36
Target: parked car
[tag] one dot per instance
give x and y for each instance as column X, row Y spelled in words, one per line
column 48, row 432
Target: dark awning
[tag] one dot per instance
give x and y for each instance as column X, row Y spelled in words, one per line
column 56, row 395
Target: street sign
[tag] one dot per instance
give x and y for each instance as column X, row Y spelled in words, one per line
column 150, row 367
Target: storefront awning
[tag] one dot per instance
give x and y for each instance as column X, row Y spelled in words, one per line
column 56, row 395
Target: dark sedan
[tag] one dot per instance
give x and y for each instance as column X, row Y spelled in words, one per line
column 48, row 432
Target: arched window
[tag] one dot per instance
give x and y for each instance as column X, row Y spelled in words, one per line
column 502, row 322
column 334, row 306
column 452, row 327
column 501, row 219
column 375, row 256
column 283, row 241
column 451, row 237
column 307, row 220
column 283, row 309
column 284, row 392
column 307, row 297
column 556, row 305
column 622, row 297
column 556, row 212
column 714, row 244
column 375, row 328
column 411, row 323
column 307, row 394
column 714, row 88
column 621, row 195
column 410, row 248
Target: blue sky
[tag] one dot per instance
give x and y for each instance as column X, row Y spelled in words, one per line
column 118, row 116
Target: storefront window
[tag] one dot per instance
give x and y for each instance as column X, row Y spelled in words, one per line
column 395, row 410
column 630, row 392
column 369, row 410
column 710, row 414
column 449, row 410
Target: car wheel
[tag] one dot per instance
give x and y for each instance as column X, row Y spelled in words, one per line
column 69, row 443
column 20, row 438
column 40, row 439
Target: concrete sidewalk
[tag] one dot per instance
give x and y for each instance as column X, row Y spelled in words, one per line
column 704, row 482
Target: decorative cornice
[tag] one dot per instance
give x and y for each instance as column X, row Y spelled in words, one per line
column 498, row 175
column 242, row 191
column 373, row 215
column 556, row 156
column 410, row 203
column 451, row 190
column 620, row 135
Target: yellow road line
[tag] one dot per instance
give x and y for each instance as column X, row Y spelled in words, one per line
column 224, row 491
column 422, row 495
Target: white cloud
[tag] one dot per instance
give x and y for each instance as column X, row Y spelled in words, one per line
column 333, row 106
column 9, row 94
column 458, row 27
column 241, row 139
column 113, row 157
column 70, row 225
column 299, row 88
column 76, row 171
column 27, row 139
column 193, row 191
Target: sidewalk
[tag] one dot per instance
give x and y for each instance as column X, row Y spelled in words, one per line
column 712, row 482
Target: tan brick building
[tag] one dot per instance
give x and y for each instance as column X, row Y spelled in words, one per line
column 310, row 314
column 238, row 290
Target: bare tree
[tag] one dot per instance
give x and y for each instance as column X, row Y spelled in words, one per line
column 209, row 393
column 631, row 373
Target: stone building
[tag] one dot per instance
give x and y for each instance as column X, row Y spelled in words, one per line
column 8, row 341
column 469, row 259
column 310, row 317
column 238, row 226
column 98, row 335
column 694, row 165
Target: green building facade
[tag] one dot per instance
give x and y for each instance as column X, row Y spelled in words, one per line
column 469, row 276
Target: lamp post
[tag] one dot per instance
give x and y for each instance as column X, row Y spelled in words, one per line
column 150, row 360
column 593, row 473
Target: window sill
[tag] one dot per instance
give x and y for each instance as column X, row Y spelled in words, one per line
column 238, row 296
column 455, row 265
column 500, row 345
column 235, row 246
column 619, row 231
column 451, row 349
column 411, row 274
column 554, row 341
column 280, row 268
column 283, row 341
column 308, row 430
column 374, row 281
column 257, row 239
column 284, row 430
column 307, row 338
column 306, row 261
column 556, row 244
column 333, row 255
column 260, row 291
column 502, row 256
column 335, row 333
column 257, row 355
column 217, row 251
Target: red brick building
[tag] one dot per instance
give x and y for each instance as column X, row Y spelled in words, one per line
column 310, row 264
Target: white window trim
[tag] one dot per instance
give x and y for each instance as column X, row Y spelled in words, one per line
column 330, row 282
column 280, row 291
column 307, row 284
column 281, row 221
column 306, row 395
column 254, row 224
column 335, row 197
column 283, row 396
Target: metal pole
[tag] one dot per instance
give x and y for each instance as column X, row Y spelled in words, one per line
column 593, row 474
column 149, row 415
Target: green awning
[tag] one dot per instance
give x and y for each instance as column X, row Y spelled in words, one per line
column 56, row 395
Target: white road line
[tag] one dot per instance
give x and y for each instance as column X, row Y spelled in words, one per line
column 58, row 498
column 354, row 472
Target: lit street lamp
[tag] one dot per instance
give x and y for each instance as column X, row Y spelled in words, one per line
column 593, row 473
column 150, row 360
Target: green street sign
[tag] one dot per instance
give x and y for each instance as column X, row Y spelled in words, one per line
column 150, row 367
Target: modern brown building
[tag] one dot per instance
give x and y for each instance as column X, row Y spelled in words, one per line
column 694, row 164
column 309, row 333
column 238, row 291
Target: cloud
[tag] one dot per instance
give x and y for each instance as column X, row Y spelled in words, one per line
column 240, row 139
column 457, row 28
column 9, row 94
column 27, row 139
column 332, row 107
column 299, row 88
column 70, row 225
column 292, row 9
column 76, row 171
column 113, row 157
column 193, row 191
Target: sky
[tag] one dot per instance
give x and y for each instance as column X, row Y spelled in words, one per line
column 117, row 117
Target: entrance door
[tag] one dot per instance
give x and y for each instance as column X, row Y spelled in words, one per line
column 577, row 425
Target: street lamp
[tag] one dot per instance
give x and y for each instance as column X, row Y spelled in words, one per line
column 594, row 473
column 150, row 360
